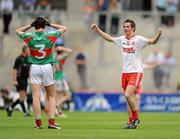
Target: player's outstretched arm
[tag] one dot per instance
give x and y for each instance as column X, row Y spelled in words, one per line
column 23, row 29
column 154, row 39
column 101, row 33
column 61, row 28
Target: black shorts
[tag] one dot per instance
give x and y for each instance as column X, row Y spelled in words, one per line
column 22, row 84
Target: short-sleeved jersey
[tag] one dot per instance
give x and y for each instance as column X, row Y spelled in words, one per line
column 41, row 46
column 131, row 49
column 22, row 66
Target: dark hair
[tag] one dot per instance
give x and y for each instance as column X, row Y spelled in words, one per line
column 40, row 22
column 132, row 23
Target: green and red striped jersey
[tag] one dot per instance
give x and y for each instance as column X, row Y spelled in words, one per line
column 41, row 46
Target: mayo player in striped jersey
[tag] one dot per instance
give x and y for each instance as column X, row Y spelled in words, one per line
column 41, row 69
column 131, row 45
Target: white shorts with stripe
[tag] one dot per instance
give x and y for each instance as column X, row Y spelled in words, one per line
column 41, row 74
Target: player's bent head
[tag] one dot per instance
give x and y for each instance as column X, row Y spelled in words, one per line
column 25, row 50
column 40, row 22
column 132, row 23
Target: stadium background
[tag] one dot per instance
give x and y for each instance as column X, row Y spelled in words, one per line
column 104, row 68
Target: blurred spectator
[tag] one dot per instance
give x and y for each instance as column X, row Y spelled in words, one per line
column 26, row 8
column 158, row 73
column 44, row 3
column 168, row 66
column 90, row 7
column 81, row 61
column 125, row 4
column 43, row 8
column 28, row 4
column 6, row 7
column 146, row 6
column 103, row 5
column 171, row 8
column 7, row 98
column 161, row 7
column 178, row 86
column 114, row 6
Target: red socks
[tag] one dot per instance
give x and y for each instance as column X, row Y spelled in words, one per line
column 135, row 114
column 38, row 123
column 51, row 122
column 130, row 120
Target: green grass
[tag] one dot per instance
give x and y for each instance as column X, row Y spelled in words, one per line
column 99, row 125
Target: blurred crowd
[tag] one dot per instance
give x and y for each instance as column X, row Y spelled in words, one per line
column 35, row 8
column 32, row 8
column 162, row 73
column 166, row 8
column 170, row 7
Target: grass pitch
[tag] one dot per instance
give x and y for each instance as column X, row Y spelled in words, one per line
column 98, row 125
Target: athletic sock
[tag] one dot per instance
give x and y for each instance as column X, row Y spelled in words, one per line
column 38, row 122
column 130, row 120
column 51, row 122
column 23, row 106
column 15, row 103
column 135, row 114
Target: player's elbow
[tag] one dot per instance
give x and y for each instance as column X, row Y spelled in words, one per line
column 17, row 31
column 152, row 41
column 109, row 40
column 70, row 51
column 65, row 29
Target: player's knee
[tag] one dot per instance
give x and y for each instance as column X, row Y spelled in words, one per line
column 21, row 98
column 36, row 99
column 127, row 95
column 51, row 98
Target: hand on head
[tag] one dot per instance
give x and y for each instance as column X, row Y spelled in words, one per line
column 160, row 29
column 94, row 27
column 33, row 23
column 40, row 19
column 47, row 22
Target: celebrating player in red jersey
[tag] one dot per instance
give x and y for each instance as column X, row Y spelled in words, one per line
column 41, row 69
column 132, row 63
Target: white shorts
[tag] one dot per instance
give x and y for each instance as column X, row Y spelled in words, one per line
column 62, row 85
column 41, row 74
